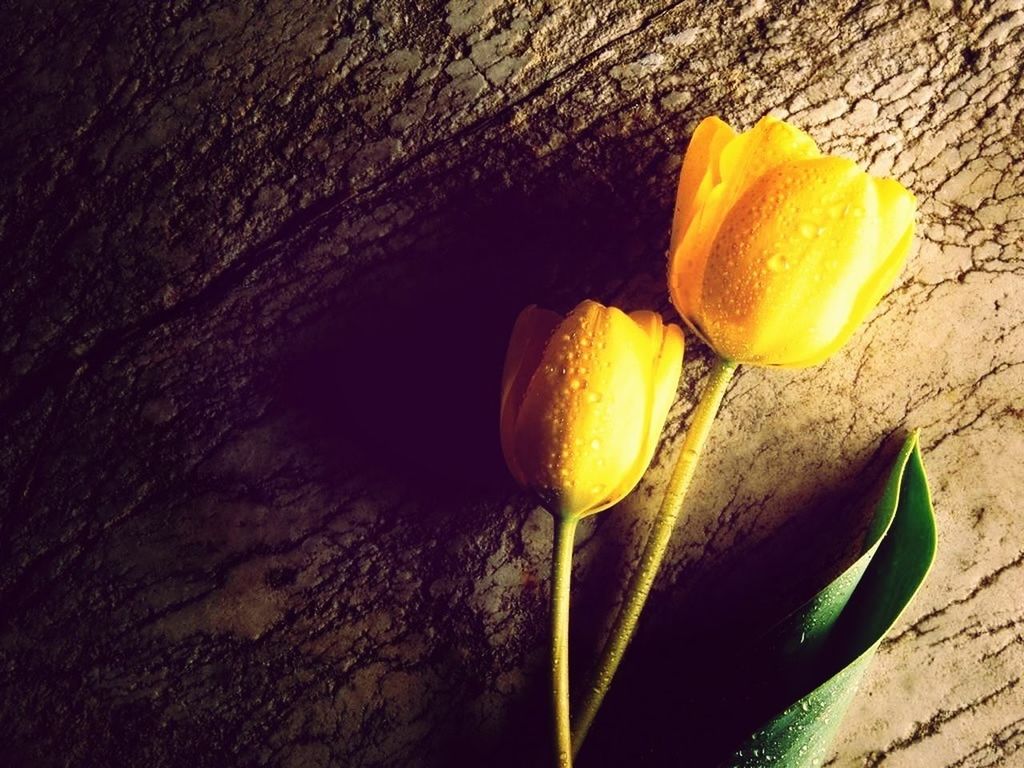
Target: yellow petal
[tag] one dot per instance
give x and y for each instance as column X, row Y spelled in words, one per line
column 688, row 261
column 743, row 160
column 895, row 208
column 767, row 145
column 789, row 262
column 530, row 334
column 650, row 323
column 871, row 293
column 581, row 424
column 666, row 367
column 699, row 172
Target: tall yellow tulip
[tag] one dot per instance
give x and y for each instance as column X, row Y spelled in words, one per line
column 778, row 252
column 584, row 400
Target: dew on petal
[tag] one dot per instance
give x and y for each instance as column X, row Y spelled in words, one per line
column 778, row 261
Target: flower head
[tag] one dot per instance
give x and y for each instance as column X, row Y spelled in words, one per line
column 778, row 252
column 584, row 399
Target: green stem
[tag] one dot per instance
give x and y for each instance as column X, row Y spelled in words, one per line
column 561, row 574
column 657, row 543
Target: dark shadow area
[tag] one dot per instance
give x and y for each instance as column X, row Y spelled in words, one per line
column 403, row 379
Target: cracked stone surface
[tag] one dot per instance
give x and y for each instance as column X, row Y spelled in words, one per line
column 260, row 265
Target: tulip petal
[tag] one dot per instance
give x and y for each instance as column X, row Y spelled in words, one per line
column 650, row 323
column 530, row 334
column 896, row 208
column 790, row 261
column 743, row 160
column 868, row 297
column 688, row 260
column 667, row 367
column 582, row 422
column 895, row 232
column 699, row 172
column 767, row 145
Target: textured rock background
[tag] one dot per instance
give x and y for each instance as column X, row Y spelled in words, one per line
column 260, row 264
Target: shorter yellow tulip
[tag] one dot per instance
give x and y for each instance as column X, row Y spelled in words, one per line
column 778, row 252
column 584, row 400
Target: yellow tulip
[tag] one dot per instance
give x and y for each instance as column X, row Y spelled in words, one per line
column 584, row 400
column 778, row 252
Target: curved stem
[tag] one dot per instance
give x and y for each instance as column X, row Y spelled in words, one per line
column 657, row 543
column 561, row 574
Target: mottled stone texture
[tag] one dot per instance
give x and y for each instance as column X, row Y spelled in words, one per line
column 260, row 261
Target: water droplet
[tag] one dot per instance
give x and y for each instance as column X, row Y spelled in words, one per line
column 820, row 231
column 595, row 444
column 804, row 706
column 807, row 229
column 575, row 383
column 563, row 370
column 593, row 397
column 778, row 261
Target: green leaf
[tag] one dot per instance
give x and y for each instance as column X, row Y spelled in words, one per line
column 822, row 649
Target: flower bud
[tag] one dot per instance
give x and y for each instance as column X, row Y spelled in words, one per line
column 584, row 399
column 778, row 252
